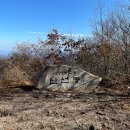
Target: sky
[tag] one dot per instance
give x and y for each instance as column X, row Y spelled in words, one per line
column 26, row 20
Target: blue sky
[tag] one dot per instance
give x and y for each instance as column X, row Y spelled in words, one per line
column 23, row 20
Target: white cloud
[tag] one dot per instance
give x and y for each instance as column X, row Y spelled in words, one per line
column 36, row 33
column 75, row 35
column 66, row 34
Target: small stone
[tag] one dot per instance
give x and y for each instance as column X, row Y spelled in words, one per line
column 82, row 113
column 91, row 127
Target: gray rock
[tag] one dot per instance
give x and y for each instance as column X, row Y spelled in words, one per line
column 65, row 78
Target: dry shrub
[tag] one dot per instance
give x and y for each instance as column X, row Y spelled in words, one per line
column 13, row 75
column 19, row 70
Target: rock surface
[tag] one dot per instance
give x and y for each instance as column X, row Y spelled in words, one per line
column 65, row 78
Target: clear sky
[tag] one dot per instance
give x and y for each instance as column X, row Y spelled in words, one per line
column 22, row 20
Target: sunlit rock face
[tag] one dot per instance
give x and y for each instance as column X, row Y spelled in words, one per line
column 64, row 78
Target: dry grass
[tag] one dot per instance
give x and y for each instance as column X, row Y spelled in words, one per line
column 19, row 70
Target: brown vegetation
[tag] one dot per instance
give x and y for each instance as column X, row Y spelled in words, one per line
column 106, row 53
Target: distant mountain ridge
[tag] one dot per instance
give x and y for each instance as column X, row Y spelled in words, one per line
column 4, row 53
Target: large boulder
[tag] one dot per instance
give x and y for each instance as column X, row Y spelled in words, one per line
column 64, row 78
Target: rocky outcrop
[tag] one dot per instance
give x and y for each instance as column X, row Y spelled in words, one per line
column 65, row 78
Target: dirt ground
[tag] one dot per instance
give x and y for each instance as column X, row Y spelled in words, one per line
column 28, row 109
